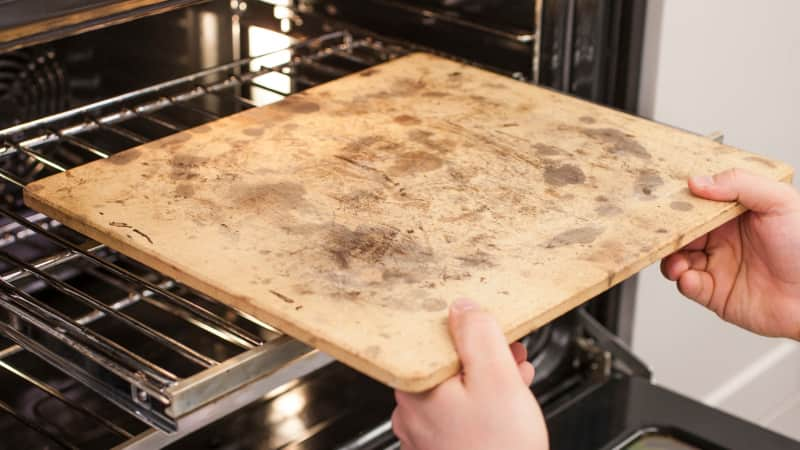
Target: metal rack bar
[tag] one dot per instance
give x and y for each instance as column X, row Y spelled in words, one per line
column 83, row 110
column 237, row 335
column 88, row 318
column 162, row 339
column 82, row 339
column 80, row 143
column 164, row 123
column 174, row 100
column 128, row 134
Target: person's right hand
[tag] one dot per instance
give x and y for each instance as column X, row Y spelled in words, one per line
column 747, row 270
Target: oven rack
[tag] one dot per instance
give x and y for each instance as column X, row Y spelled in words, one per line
column 263, row 358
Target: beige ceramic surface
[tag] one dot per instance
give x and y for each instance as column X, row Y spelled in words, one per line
column 352, row 214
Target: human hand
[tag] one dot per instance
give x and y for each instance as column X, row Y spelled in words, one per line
column 747, row 270
column 488, row 406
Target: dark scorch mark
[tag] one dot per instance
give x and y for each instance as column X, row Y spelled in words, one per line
column 281, row 296
column 119, row 224
column 646, row 183
column 681, row 206
column 412, row 162
column 607, row 210
column 563, row 175
column 295, row 105
column 617, row 142
column 405, row 119
column 477, row 259
column 253, row 131
column 582, row 235
column 143, row 235
column 547, row 150
column 366, row 167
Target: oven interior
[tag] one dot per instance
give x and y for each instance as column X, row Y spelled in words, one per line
column 99, row 351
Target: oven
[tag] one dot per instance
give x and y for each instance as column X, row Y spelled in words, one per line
column 100, row 351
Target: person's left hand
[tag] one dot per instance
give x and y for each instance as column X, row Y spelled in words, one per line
column 488, row 406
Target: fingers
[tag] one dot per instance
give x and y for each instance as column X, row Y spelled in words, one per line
column 674, row 265
column 697, row 285
column 480, row 345
column 526, row 371
column 753, row 192
column 519, row 352
column 398, row 427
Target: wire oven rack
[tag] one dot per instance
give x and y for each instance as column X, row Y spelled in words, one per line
column 204, row 382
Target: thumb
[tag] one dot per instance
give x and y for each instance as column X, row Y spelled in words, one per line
column 481, row 346
column 752, row 191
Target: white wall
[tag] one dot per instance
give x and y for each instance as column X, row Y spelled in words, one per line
column 732, row 66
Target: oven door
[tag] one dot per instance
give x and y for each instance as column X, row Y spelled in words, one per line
column 631, row 413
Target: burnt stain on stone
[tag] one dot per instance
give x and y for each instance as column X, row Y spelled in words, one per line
column 142, row 234
column 478, row 258
column 617, row 142
column 607, row 210
column 119, row 225
column 295, row 105
column 425, row 138
column 647, row 183
column 368, row 73
column 587, row 120
column 284, row 298
column 122, row 158
column 405, row 119
column 562, row 175
column 282, row 195
column 253, row 131
column 547, row 150
column 361, row 144
column 183, row 166
column 681, row 206
column 360, row 199
column 372, row 245
column 435, row 94
column 366, row 167
column 581, row 235
column 184, row 190
column 414, row 162
column 662, row 231
column 434, row 304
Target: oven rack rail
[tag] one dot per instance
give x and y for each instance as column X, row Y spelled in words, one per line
column 158, row 397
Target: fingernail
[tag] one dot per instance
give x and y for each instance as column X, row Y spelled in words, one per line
column 703, row 181
column 462, row 305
